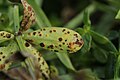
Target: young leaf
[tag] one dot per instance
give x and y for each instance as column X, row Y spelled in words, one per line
column 4, row 36
column 56, row 39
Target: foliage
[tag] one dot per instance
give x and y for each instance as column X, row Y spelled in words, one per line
column 98, row 58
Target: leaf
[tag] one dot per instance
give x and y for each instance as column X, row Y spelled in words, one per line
column 4, row 36
column 28, row 51
column 4, row 20
column 6, row 53
column 103, row 42
column 65, row 60
column 118, row 15
column 87, row 43
column 28, row 17
column 56, row 39
column 42, row 20
column 100, row 54
column 16, row 18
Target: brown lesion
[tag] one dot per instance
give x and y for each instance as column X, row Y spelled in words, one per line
column 50, row 46
column 29, row 40
column 1, row 34
column 79, row 42
column 1, row 53
column 2, row 66
column 72, row 45
column 60, row 39
column 27, row 44
column 28, row 17
column 8, row 35
column 42, row 44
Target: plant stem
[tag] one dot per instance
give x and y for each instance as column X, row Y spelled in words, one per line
column 78, row 19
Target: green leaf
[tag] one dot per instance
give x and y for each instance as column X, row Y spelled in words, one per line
column 41, row 17
column 39, row 2
column 16, row 18
column 87, row 43
column 118, row 15
column 100, row 54
column 103, row 42
column 65, row 60
column 4, row 20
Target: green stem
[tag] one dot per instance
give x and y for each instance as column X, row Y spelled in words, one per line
column 78, row 19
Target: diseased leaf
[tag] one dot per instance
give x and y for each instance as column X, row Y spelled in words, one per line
column 4, row 36
column 41, row 18
column 5, row 54
column 56, row 39
column 29, row 16
column 29, row 51
column 87, row 38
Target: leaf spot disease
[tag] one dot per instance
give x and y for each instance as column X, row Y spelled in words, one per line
column 42, row 44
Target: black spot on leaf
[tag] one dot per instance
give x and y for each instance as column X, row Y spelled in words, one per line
column 27, row 44
column 8, row 35
column 60, row 39
column 42, row 45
